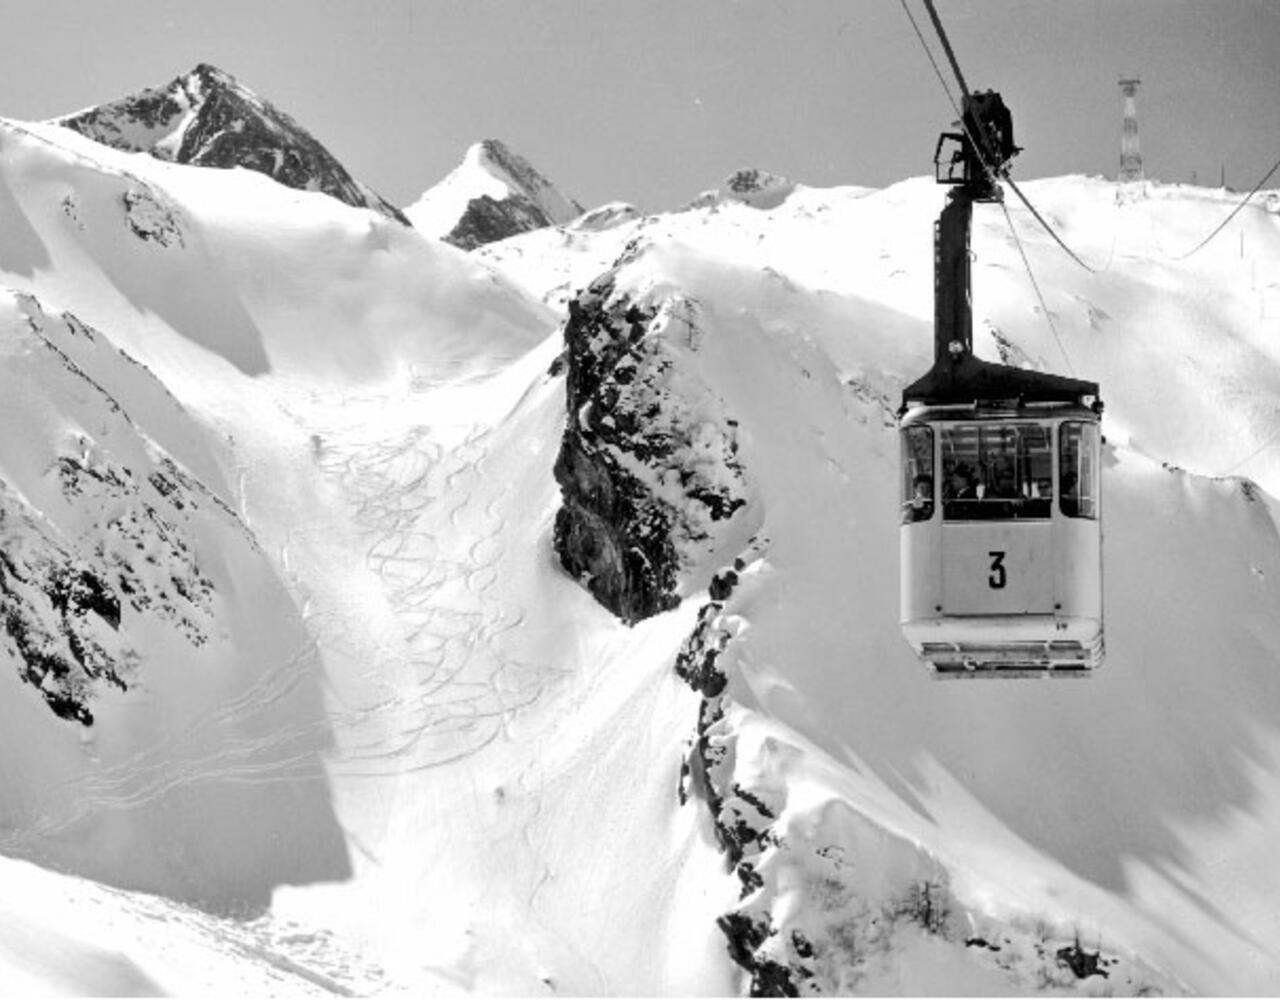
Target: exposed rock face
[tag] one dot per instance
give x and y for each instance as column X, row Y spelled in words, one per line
column 97, row 532
column 59, row 619
column 824, row 943
column 827, row 896
column 754, row 188
column 757, row 188
column 208, row 119
column 742, row 819
column 488, row 220
column 648, row 466
column 494, row 194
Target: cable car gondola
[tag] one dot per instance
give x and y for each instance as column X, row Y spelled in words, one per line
column 1001, row 532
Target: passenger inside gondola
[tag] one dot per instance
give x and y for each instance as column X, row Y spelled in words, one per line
column 960, row 484
column 1003, row 484
column 917, row 464
column 997, row 471
column 1070, row 494
column 922, row 491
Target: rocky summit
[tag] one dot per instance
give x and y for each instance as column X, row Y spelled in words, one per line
column 207, row 118
column 493, row 194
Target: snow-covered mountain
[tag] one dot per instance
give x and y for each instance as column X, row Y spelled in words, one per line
column 209, row 119
column 525, row 620
column 101, row 524
column 144, row 615
column 975, row 787
column 492, row 195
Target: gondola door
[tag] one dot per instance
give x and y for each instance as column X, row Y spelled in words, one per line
column 997, row 568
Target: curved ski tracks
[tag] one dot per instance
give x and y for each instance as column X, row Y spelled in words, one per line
column 432, row 525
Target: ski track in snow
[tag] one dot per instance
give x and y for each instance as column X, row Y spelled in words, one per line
column 450, row 691
column 147, row 775
column 453, row 688
column 448, row 694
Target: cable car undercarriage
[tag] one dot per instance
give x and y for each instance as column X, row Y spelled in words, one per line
column 1012, row 659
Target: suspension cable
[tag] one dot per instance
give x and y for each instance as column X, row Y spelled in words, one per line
column 991, row 171
column 1253, row 454
column 1040, row 219
column 1044, row 306
column 996, row 177
column 946, row 47
column 995, row 174
column 937, row 70
column 1236, row 211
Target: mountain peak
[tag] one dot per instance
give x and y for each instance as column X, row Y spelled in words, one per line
column 493, row 194
column 210, row 72
column 207, row 118
column 499, row 160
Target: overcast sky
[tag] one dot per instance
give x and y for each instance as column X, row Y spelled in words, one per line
column 654, row 101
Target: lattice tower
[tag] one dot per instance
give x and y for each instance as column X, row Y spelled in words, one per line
column 1130, row 156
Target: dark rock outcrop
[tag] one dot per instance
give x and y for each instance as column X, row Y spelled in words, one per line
column 206, row 118
column 751, row 187
column 648, row 465
column 488, row 220
column 532, row 202
column 743, row 821
column 52, row 612
column 106, row 564
column 757, row 188
column 63, row 600
column 806, row 922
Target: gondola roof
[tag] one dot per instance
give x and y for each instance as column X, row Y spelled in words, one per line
column 969, row 380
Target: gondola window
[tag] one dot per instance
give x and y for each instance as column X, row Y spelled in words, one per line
column 1076, row 469
column 997, row 471
column 917, row 474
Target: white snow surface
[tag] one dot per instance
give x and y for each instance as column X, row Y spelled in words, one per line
column 487, row 762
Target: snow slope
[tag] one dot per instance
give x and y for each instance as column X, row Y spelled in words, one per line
column 180, row 263
column 142, row 611
column 502, row 759
column 334, row 372
column 1107, row 808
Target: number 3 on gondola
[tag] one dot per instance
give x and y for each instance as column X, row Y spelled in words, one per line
column 998, row 577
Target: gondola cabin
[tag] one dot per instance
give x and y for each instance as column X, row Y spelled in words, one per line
column 1001, row 546
column 1001, row 530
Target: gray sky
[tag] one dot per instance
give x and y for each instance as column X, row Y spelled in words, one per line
column 655, row 101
